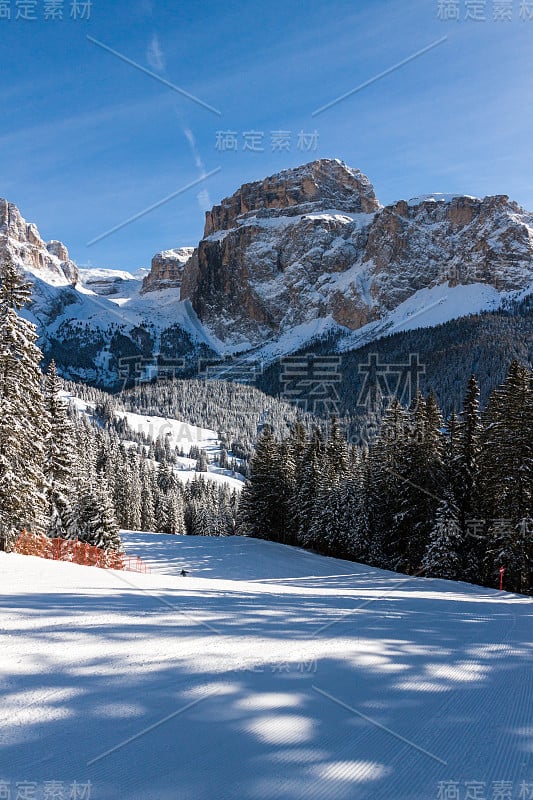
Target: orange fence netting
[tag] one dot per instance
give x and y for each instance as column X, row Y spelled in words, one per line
column 33, row 544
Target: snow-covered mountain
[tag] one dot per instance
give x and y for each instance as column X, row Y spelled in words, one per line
column 283, row 261
column 274, row 258
column 97, row 323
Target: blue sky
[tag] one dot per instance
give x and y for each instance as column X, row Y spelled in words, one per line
column 87, row 140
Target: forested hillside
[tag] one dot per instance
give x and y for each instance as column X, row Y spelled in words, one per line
column 446, row 498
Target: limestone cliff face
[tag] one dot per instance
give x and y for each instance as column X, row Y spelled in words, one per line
column 314, row 242
column 167, row 269
column 461, row 240
column 21, row 241
column 324, row 184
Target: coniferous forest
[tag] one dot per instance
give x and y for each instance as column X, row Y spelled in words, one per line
column 71, row 476
column 444, row 498
column 450, row 498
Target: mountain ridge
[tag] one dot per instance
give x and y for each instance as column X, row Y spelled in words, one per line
column 285, row 260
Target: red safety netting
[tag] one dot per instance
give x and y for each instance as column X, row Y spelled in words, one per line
column 33, row 544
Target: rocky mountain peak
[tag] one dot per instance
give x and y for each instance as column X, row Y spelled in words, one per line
column 21, row 241
column 167, row 269
column 319, row 185
column 313, row 243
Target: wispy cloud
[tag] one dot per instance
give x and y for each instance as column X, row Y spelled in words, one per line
column 151, row 74
column 204, row 200
column 156, row 59
column 155, row 56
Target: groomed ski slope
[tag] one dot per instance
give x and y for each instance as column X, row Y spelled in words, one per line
column 266, row 673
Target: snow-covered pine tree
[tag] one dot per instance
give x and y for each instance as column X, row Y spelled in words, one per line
column 443, row 557
column 467, row 485
column 337, row 527
column 201, row 462
column 293, row 457
column 420, row 484
column 337, row 456
column 96, row 523
column 133, row 491
column 310, row 490
column 59, row 460
column 175, row 516
column 259, row 510
column 452, row 458
column 23, row 416
column 166, row 479
column 384, row 486
column 147, row 498
column 506, row 482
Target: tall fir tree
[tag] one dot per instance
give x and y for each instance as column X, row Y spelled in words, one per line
column 259, row 510
column 59, row 460
column 96, row 522
column 23, row 416
column 443, row 557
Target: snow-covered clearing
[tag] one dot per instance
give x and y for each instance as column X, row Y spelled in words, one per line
column 267, row 672
column 180, row 434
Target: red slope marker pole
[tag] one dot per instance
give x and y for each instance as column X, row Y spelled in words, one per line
column 502, row 570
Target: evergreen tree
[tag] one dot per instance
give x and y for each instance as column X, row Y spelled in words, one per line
column 201, row 462
column 337, row 528
column 337, row 457
column 96, row 518
column 310, row 488
column 23, row 416
column 259, row 510
column 443, row 555
column 420, row 483
column 59, row 460
column 384, row 484
column 510, row 545
column 147, row 499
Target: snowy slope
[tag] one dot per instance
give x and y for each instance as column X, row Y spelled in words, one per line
column 430, row 307
column 182, row 435
column 266, row 673
column 426, row 308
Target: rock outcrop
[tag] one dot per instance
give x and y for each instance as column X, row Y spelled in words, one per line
column 167, row 269
column 314, row 242
column 321, row 185
column 281, row 261
column 21, row 242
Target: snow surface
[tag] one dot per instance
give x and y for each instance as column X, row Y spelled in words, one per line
column 182, row 435
column 426, row 308
column 429, row 307
column 266, row 673
column 437, row 197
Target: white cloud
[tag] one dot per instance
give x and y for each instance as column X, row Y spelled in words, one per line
column 204, row 200
column 155, row 55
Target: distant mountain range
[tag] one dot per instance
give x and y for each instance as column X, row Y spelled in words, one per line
column 302, row 260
